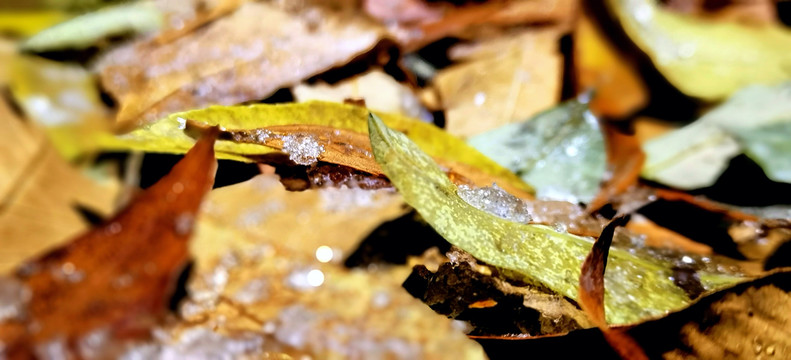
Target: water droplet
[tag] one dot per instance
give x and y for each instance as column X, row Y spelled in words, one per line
column 178, row 188
column 687, row 260
column 479, row 99
column 183, row 223
column 315, row 278
column 324, row 254
column 560, row 227
column 182, row 123
column 572, row 151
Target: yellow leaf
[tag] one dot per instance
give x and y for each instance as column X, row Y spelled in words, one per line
column 167, row 136
column 704, row 58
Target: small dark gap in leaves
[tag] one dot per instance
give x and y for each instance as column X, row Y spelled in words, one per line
column 379, row 56
column 439, row 118
column 5, row 92
column 780, row 258
column 688, row 280
column 180, row 290
column 744, row 184
column 231, row 172
column 436, row 53
column 89, row 215
column 394, row 241
column 695, row 223
column 569, row 86
column 155, row 166
column 784, row 12
column 79, row 56
column 282, row 95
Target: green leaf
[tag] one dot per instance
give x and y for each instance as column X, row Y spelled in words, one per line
column 560, row 152
column 86, row 30
column 756, row 120
column 637, row 286
column 705, row 58
column 167, row 135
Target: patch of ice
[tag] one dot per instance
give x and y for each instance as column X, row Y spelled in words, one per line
column 302, row 149
column 496, row 201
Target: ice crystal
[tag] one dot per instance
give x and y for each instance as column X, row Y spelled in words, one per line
column 496, row 201
column 302, row 149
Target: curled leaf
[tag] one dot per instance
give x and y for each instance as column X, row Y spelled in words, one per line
column 638, row 286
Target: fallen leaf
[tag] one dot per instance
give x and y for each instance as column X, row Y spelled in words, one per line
column 380, row 91
column 523, row 248
column 62, row 99
column 85, row 30
column 244, row 56
column 618, row 89
column 458, row 22
column 591, row 298
column 560, row 152
column 746, row 320
column 753, row 120
column 121, row 274
column 260, row 212
column 752, row 12
column 486, row 92
column 310, row 132
column 659, row 237
column 703, row 58
column 182, row 25
column 39, row 190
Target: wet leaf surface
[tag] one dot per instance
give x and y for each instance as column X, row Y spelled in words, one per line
column 560, row 152
column 524, row 248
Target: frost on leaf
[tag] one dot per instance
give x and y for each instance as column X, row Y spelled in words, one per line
column 497, row 201
column 302, row 149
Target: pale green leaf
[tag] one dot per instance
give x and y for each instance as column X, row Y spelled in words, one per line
column 755, row 121
column 706, row 58
column 86, row 30
column 636, row 286
column 560, row 152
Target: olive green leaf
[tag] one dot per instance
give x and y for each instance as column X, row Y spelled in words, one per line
column 636, row 286
column 755, row 120
column 705, row 58
column 86, row 30
column 560, row 152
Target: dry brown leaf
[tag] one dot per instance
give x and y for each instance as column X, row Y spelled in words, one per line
column 619, row 90
column 39, row 192
column 260, row 211
column 244, row 56
column 462, row 21
column 274, row 300
column 523, row 78
column 120, row 275
column 380, row 91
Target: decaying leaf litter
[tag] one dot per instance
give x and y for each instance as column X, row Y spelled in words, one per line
column 520, row 144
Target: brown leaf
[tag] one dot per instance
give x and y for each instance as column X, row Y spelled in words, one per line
column 244, row 56
column 465, row 19
column 619, row 91
column 704, row 203
column 121, row 274
column 501, row 81
column 754, row 12
column 625, row 159
column 591, row 293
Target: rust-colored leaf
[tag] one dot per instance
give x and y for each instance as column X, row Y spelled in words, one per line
column 120, row 275
column 625, row 159
column 703, row 203
column 591, row 293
